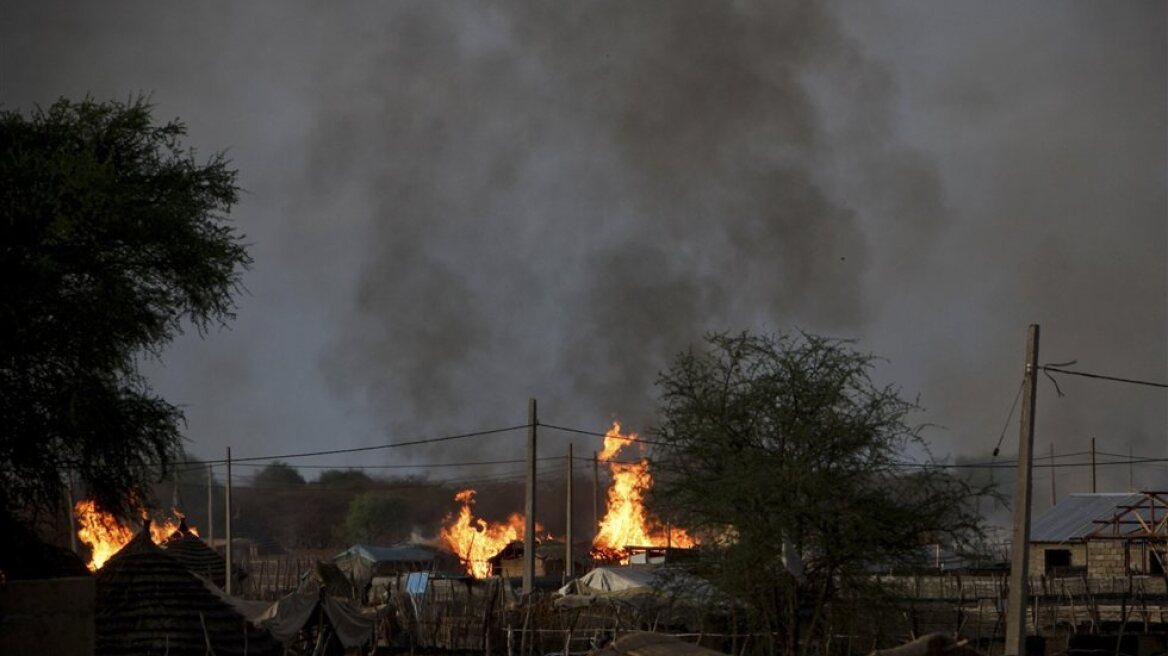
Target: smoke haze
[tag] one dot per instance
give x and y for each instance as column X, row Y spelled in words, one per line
column 457, row 206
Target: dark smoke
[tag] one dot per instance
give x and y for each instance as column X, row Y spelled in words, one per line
column 458, row 206
column 562, row 200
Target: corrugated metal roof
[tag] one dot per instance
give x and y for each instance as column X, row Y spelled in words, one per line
column 1074, row 518
column 407, row 552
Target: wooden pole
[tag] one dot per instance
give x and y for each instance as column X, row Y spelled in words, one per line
column 569, row 562
column 1019, row 566
column 595, row 491
column 69, row 511
column 211, row 505
column 529, row 506
column 227, row 527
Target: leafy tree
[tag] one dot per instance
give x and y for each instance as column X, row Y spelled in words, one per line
column 278, row 475
column 376, row 517
column 347, row 479
column 785, row 455
column 112, row 238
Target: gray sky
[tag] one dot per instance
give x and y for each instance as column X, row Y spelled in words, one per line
column 455, row 206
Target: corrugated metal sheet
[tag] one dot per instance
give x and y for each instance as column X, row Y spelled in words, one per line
column 397, row 553
column 1075, row 517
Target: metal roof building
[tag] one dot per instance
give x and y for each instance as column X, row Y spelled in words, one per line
column 1102, row 535
column 1079, row 515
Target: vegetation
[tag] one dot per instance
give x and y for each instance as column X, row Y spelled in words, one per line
column 113, row 239
column 377, row 517
column 344, row 479
column 785, row 455
column 277, row 475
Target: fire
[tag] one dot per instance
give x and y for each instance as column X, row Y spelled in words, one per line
column 106, row 535
column 625, row 523
column 475, row 540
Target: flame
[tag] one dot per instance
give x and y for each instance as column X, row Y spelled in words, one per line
column 106, row 535
column 475, row 540
column 625, row 522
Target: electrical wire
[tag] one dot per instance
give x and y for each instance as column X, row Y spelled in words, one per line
column 1009, row 416
column 579, row 431
column 1117, row 379
column 395, row 445
column 421, row 465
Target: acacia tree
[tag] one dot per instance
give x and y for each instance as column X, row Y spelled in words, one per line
column 112, row 238
column 785, row 455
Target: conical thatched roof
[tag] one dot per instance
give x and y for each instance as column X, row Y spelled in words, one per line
column 148, row 603
column 196, row 555
column 24, row 556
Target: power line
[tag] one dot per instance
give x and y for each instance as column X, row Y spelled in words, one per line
column 1117, row 379
column 421, row 465
column 578, row 431
column 1006, row 426
column 313, row 487
column 395, row 445
column 342, row 467
column 1012, row 465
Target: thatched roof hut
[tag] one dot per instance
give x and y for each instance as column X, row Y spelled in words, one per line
column 197, row 556
column 148, row 603
column 24, row 556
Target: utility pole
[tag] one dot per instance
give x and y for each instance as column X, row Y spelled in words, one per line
column 569, row 562
column 69, row 511
column 227, row 529
column 595, row 491
column 1019, row 558
column 529, row 506
column 211, row 505
column 1093, row 466
column 1053, row 497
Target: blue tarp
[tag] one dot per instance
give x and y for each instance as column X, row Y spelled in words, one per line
column 416, row 582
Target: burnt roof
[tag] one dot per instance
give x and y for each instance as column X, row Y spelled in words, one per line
column 196, row 555
column 147, row 602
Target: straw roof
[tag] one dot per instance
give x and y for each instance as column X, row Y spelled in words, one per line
column 197, row 556
column 148, row 603
column 24, row 556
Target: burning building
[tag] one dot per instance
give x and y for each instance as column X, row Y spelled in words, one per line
column 486, row 548
column 105, row 534
column 626, row 524
column 185, row 546
column 550, row 559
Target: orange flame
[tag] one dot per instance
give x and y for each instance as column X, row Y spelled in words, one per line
column 106, row 535
column 474, row 540
column 625, row 522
